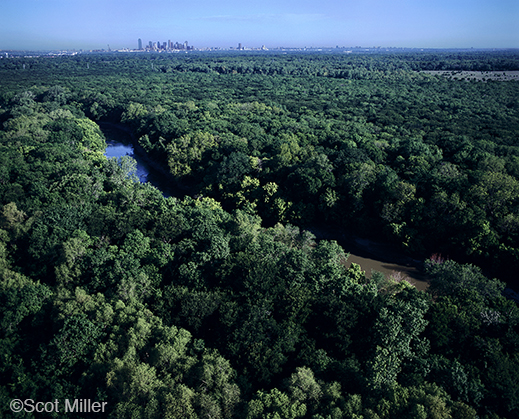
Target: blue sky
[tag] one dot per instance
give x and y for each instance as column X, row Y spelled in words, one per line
column 93, row 24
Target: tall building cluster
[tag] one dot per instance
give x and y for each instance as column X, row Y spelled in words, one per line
column 164, row 46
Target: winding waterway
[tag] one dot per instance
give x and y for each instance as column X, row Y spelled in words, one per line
column 119, row 143
column 368, row 254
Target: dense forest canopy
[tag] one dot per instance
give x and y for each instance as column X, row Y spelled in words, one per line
column 220, row 304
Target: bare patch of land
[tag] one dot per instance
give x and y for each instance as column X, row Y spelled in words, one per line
column 477, row 75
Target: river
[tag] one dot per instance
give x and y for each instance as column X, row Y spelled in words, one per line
column 370, row 255
column 375, row 256
column 119, row 143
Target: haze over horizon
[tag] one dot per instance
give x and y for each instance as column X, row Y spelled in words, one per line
column 73, row 24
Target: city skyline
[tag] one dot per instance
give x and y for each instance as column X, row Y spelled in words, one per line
column 162, row 45
column 71, row 24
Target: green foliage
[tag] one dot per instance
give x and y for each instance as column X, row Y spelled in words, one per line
column 274, row 405
column 451, row 278
column 469, row 327
column 303, row 387
column 74, row 339
column 220, row 304
column 185, row 154
column 21, row 297
column 397, row 332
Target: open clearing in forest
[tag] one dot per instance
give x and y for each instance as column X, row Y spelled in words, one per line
column 477, row 75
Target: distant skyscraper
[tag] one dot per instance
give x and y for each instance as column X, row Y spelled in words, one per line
column 140, row 43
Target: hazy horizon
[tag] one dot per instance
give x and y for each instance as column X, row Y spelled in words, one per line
column 72, row 24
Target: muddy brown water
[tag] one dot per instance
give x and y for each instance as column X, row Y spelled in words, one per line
column 375, row 256
column 368, row 265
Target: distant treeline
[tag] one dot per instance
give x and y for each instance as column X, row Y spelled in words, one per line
column 338, row 65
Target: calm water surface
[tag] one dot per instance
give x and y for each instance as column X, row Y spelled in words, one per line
column 119, row 144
